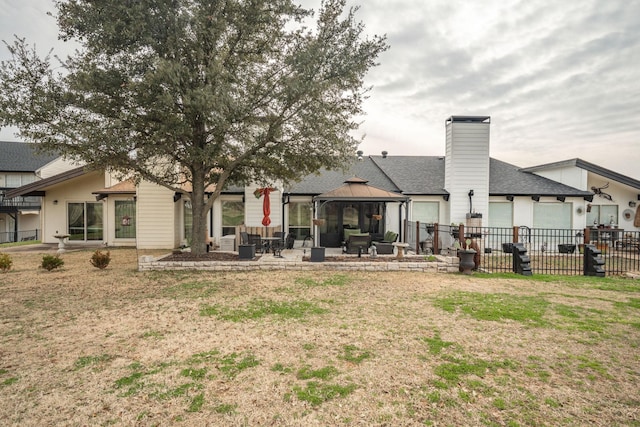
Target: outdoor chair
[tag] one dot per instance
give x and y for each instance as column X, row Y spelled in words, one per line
column 255, row 239
column 385, row 246
column 357, row 243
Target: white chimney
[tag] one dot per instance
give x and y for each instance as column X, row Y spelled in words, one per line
column 466, row 175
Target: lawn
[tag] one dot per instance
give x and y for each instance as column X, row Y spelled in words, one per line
column 82, row 346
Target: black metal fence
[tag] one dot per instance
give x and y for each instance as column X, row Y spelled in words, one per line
column 551, row 251
column 20, row 236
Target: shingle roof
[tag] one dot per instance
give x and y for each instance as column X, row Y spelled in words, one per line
column 424, row 175
column 328, row 180
column 507, row 179
column 22, row 157
column 414, row 174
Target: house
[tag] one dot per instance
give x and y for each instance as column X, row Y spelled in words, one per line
column 21, row 164
column 376, row 194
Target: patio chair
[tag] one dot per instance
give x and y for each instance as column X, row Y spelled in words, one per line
column 255, row 239
column 357, row 243
column 385, row 246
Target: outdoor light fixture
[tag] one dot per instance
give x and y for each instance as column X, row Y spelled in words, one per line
column 535, row 198
column 55, row 202
column 176, row 197
column 632, row 204
column 510, row 198
column 561, row 198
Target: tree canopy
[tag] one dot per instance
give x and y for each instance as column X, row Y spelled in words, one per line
column 195, row 94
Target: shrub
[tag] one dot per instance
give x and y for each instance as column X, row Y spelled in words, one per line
column 51, row 262
column 5, row 262
column 100, row 259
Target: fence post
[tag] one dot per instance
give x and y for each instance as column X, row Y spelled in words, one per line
column 516, row 236
column 417, row 237
column 436, row 239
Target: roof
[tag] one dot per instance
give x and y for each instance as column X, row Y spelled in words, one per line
column 424, row 175
column 326, row 180
column 22, row 157
column 37, row 187
column 124, row 187
column 414, row 175
column 589, row 167
column 507, row 179
column 357, row 189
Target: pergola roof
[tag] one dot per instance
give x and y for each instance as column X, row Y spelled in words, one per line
column 357, row 189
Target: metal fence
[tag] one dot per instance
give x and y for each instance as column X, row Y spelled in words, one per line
column 551, row 251
column 20, row 236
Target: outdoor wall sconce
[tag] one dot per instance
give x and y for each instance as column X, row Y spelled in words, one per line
column 55, row 202
column 176, row 197
column 561, row 198
column 510, row 198
column 445, row 197
column 632, row 204
column 535, row 198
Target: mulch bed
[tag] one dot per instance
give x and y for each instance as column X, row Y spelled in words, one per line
column 226, row 256
column 209, row 256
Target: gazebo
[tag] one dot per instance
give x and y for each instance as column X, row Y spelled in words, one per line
column 354, row 205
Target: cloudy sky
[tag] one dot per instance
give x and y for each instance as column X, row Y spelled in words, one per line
column 560, row 79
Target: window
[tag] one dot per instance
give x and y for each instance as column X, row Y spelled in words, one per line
column 425, row 212
column 188, row 220
column 602, row 215
column 500, row 214
column 125, row 221
column 300, row 219
column 552, row 215
column 232, row 216
column 84, row 221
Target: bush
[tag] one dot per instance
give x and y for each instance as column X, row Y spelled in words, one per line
column 51, row 262
column 5, row 262
column 100, row 259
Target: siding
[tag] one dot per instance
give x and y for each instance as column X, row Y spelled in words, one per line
column 467, row 168
column 156, row 217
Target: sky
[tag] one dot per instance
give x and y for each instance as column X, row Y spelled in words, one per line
column 559, row 79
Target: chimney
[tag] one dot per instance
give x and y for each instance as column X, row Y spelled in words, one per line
column 467, row 165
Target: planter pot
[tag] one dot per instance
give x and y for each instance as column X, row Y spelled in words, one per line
column 247, row 251
column 467, row 263
column 317, row 254
column 566, row 249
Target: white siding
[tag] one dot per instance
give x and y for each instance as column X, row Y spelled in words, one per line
column 156, row 217
column 55, row 167
column 467, row 168
column 572, row 176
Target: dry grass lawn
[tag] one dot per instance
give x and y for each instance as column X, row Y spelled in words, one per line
column 81, row 346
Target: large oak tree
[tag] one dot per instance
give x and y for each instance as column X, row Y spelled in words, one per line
column 195, row 95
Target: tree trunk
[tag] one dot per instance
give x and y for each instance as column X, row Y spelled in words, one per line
column 199, row 211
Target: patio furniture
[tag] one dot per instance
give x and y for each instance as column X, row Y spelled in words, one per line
column 357, row 243
column 385, row 246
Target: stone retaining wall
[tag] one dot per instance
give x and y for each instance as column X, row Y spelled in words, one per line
column 442, row 265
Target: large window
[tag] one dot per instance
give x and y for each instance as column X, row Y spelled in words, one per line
column 602, row 215
column 232, row 215
column 300, row 219
column 552, row 215
column 500, row 214
column 426, row 212
column 84, row 221
column 125, row 220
